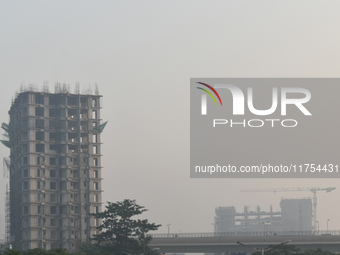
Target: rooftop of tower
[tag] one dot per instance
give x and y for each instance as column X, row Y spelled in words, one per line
column 59, row 88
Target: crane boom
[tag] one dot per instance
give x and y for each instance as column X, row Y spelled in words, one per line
column 329, row 189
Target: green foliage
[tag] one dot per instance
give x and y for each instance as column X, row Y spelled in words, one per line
column 44, row 252
column 318, row 251
column 120, row 233
column 93, row 249
column 11, row 252
column 293, row 250
column 36, row 252
column 58, row 252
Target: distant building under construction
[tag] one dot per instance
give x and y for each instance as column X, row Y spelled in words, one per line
column 295, row 215
column 55, row 169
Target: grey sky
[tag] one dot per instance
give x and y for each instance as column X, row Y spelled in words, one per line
column 142, row 55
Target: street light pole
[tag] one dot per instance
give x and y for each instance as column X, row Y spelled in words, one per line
column 168, row 228
column 327, row 224
column 264, row 227
column 318, row 226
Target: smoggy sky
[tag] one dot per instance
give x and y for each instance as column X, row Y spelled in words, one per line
column 142, row 55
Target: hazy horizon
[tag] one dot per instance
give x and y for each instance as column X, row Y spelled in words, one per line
column 142, row 56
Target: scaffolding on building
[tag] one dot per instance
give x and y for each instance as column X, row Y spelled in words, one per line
column 7, row 217
column 6, row 169
column 59, row 88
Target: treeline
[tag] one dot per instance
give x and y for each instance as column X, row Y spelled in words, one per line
column 293, row 250
column 83, row 251
column 37, row 252
column 97, row 250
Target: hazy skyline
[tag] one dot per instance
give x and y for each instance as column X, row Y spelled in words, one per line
column 142, row 56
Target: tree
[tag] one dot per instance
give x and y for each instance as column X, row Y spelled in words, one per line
column 120, row 233
column 39, row 251
column 12, row 252
column 318, row 251
column 293, row 250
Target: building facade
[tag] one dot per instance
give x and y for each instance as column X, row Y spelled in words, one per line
column 55, row 170
column 295, row 215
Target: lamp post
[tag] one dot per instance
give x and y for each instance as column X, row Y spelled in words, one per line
column 263, row 250
column 327, row 224
column 318, row 227
column 264, row 227
column 215, row 226
column 168, row 228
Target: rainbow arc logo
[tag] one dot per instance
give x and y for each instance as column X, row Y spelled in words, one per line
column 204, row 97
column 209, row 93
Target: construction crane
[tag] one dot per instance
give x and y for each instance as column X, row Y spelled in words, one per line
column 313, row 190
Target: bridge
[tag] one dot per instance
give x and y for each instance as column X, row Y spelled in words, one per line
column 227, row 242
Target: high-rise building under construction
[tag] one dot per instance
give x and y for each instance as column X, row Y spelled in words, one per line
column 55, row 169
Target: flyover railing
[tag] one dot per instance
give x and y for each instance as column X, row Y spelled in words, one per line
column 249, row 233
